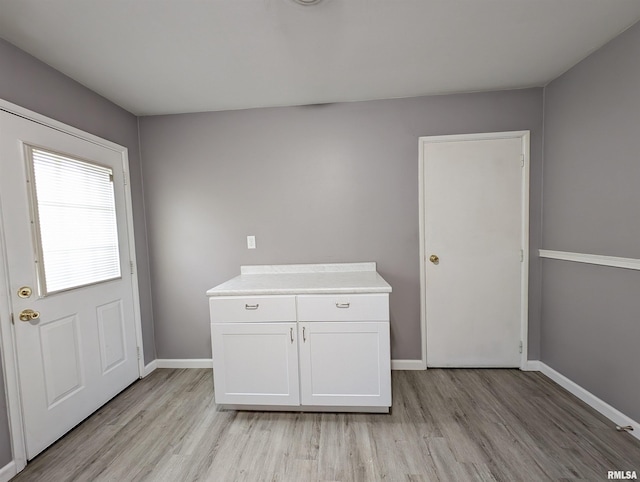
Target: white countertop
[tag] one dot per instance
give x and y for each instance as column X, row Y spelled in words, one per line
column 304, row 279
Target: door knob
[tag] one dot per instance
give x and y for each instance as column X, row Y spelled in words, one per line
column 28, row 315
column 434, row 259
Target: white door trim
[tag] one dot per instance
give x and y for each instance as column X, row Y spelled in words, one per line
column 7, row 336
column 524, row 294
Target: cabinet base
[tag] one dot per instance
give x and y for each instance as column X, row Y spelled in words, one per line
column 304, row 408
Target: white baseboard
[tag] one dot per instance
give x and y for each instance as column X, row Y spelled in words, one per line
column 531, row 366
column 149, row 368
column 590, row 399
column 208, row 363
column 8, row 472
column 184, row 363
column 408, row 365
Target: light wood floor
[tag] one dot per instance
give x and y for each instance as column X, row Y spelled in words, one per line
column 446, row 425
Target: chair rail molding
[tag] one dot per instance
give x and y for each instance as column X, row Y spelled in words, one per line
column 611, row 261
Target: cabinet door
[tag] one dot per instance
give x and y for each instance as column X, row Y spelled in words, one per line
column 255, row 363
column 345, row 363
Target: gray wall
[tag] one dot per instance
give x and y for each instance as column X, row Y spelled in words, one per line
column 27, row 82
column 590, row 315
column 326, row 183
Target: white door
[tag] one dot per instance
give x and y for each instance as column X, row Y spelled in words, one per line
column 255, row 363
column 345, row 363
column 61, row 197
column 474, row 241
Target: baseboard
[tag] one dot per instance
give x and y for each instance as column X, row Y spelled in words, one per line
column 408, row 365
column 531, row 366
column 149, row 368
column 208, row 363
column 184, row 363
column 590, row 399
column 8, row 472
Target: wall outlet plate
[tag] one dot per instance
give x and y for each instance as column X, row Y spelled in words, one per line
column 251, row 242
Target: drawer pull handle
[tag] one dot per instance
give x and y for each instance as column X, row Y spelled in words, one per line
column 343, row 305
column 304, row 334
column 251, row 307
column 291, row 334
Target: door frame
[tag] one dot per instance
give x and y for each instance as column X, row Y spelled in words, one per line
column 7, row 333
column 524, row 284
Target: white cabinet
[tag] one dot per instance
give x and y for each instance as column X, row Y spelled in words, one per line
column 344, row 349
column 254, row 341
column 302, row 350
column 255, row 363
column 345, row 364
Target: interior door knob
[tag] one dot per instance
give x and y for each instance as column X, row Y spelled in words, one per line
column 28, row 315
column 434, row 259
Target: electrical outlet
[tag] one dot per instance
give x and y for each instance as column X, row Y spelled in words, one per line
column 251, row 242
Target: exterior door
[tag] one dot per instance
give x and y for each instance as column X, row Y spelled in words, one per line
column 64, row 222
column 474, row 245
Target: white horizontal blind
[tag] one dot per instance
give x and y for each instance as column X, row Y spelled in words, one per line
column 76, row 221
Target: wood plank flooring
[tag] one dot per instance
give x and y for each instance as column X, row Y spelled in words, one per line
column 446, row 425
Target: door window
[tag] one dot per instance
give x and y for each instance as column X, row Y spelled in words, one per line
column 74, row 221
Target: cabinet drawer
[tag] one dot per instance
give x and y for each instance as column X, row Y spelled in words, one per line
column 354, row 307
column 226, row 309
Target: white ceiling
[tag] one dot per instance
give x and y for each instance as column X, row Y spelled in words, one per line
column 171, row 56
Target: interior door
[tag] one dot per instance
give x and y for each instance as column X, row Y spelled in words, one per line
column 473, row 218
column 75, row 335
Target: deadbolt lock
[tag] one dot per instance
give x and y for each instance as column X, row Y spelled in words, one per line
column 25, row 292
column 29, row 315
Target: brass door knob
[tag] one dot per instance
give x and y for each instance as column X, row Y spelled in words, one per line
column 29, row 315
column 434, row 259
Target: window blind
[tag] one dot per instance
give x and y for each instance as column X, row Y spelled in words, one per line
column 76, row 221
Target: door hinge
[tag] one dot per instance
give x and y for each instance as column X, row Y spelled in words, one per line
column 131, row 266
column 12, row 320
column 521, row 347
column 521, row 255
column 522, row 160
column 124, row 177
column 139, row 355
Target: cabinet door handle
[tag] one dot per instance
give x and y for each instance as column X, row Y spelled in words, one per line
column 343, row 305
column 291, row 334
column 251, row 307
column 304, row 334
